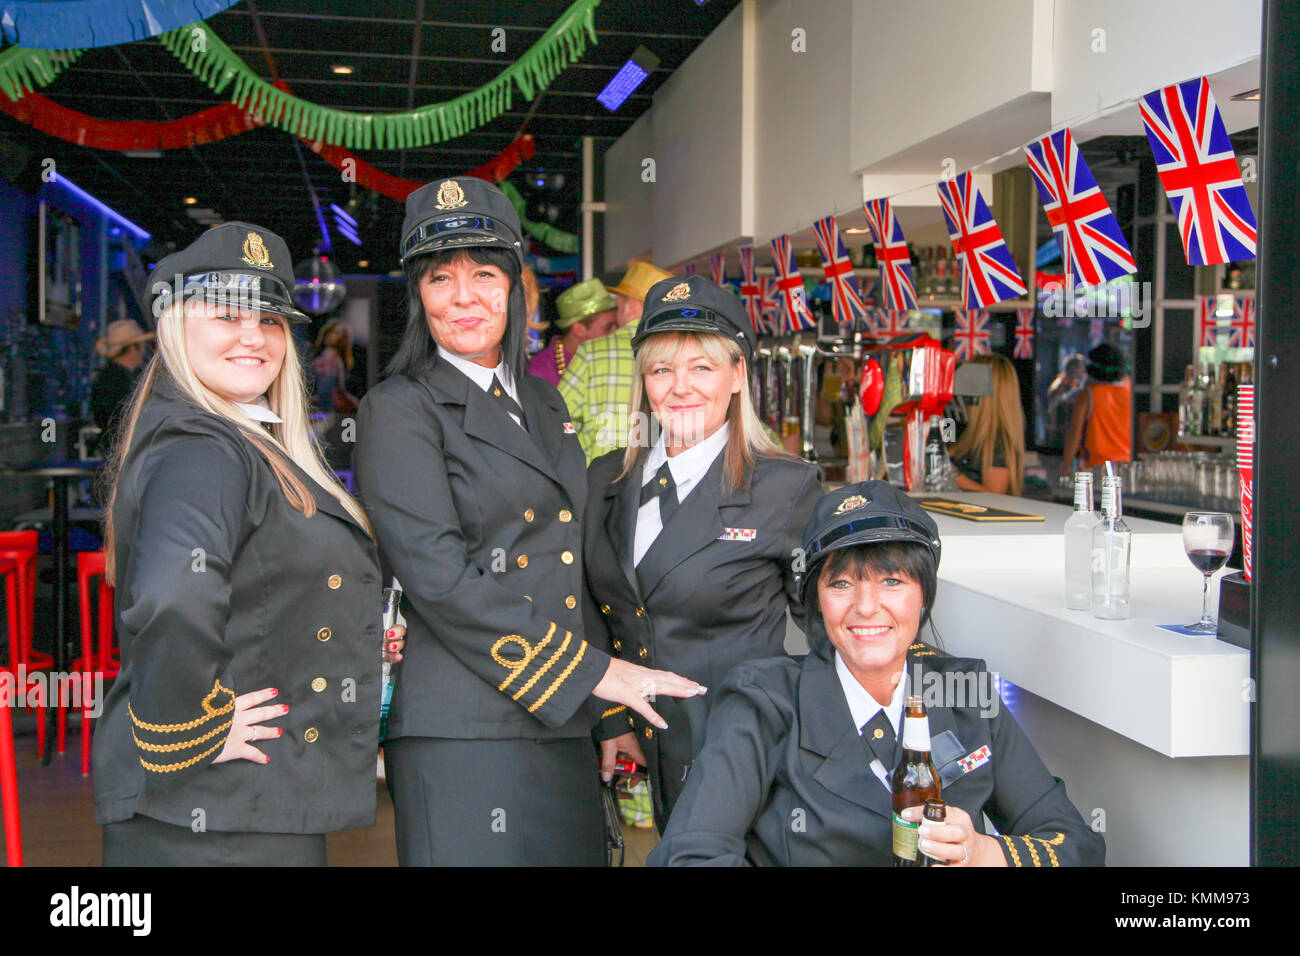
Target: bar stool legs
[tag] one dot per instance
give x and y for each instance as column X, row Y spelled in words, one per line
column 8, row 764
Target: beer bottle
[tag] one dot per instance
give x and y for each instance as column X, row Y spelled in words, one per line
column 936, row 811
column 914, row 781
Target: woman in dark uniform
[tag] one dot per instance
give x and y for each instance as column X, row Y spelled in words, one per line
column 475, row 481
column 244, row 723
column 693, row 534
column 796, row 762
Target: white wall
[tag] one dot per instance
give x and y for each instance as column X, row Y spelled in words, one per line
column 629, row 206
column 1148, row 44
column 805, row 102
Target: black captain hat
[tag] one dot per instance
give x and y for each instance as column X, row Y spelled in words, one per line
column 867, row 512
column 457, row 212
column 236, row 264
column 695, row 303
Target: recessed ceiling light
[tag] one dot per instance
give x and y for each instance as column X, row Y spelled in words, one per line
column 363, row 263
column 190, row 201
column 341, row 69
column 855, row 231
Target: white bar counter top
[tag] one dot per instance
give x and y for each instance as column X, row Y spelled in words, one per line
column 1001, row 599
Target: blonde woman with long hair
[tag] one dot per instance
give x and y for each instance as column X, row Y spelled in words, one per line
column 693, row 530
column 244, row 723
column 990, row 454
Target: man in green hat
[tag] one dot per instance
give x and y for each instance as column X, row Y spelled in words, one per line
column 587, row 311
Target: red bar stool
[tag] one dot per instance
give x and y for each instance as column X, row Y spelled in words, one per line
column 8, row 764
column 21, row 546
column 101, row 664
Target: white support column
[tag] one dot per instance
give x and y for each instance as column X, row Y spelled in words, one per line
column 588, row 213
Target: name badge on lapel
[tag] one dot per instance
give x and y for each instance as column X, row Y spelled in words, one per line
column 569, row 429
column 975, row 760
column 738, row 534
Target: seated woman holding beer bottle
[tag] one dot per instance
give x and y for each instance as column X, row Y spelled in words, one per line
column 796, row 763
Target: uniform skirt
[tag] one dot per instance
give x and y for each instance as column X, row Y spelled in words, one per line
column 495, row 802
column 143, row 841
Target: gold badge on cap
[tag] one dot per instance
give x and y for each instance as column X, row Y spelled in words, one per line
column 678, row 292
column 255, row 253
column 451, row 196
column 852, row 503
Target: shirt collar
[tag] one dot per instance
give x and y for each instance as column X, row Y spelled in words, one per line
column 259, row 411
column 690, row 465
column 862, row 705
column 480, row 376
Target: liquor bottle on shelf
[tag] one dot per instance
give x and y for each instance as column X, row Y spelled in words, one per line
column 913, row 782
column 1216, row 400
column 1078, row 545
column 1185, row 402
column 940, row 275
column 1112, row 545
column 954, row 278
column 1195, row 404
column 936, row 811
column 1230, row 401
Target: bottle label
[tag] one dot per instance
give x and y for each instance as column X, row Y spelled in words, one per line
column 916, row 734
column 906, row 838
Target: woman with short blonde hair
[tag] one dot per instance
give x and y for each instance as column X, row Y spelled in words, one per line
column 693, row 530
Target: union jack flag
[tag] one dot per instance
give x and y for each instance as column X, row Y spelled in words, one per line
column 897, row 289
column 845, row 300
column 1199, row 171
column 1207, row 322
column 789, row 285
column 1087, row 232
column 989, row 273
column 890, row 322
column 1242, row 334
column 718, row 268
column 972, row 335
column 751, row 289
column 1024, row 334
column 771, row 299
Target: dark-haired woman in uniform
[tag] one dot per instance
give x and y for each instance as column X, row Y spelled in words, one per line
column 693, row 530
column 475, row 481
column 796, row 762
column 243, row 726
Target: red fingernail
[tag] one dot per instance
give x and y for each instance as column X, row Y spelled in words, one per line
column 266, row 760
column 286, row 708
column 390, row 632
column 274, row 691
column 279, row 731
column 392, row 647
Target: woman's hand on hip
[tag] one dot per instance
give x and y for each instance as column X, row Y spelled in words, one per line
column 245, row 726
column 636, row 686
column 955, row 842
column 394, row 641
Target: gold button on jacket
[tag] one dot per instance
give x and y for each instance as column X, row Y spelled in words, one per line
column 643, row 653
column 335, row 582
column 566, row 557
column 522, row 561
column 566, row 516
column 324, row 634
column 570, row 602
column 318, row 684
column 529, row 514
column 604, row 609
column 311, row 734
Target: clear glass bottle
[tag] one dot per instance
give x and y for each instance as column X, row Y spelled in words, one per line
column 1112, row 545
column 1078, row 545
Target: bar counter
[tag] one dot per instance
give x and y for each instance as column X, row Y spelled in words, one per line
column 1148, row 728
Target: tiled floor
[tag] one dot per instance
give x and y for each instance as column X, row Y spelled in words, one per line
column 59, row 829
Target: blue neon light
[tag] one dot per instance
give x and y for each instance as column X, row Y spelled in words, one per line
column 623, row 85
column 90, row 200
column 341, row 213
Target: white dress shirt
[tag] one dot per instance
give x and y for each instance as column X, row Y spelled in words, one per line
column 482, row 377
column 864, row 708
column 258, row 411
column 687, row 468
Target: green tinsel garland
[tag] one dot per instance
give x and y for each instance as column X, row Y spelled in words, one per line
column 209, row 59
column 557, row 239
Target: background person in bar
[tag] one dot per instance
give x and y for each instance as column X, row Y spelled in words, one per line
column 123, row 344
column 586, row 312
column 786, row 739
column 247, row 589
column 1101, row 425
column 693, row 529
column 990, row 454
column 476, row 485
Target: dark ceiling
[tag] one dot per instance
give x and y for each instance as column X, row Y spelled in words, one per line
column 404, row 54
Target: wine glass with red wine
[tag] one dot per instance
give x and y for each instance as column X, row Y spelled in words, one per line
column 1207, row 539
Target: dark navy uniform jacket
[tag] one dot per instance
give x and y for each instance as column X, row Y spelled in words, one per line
column 784, row 777
column 223, row 589
column 717, row 582
column 481, row 522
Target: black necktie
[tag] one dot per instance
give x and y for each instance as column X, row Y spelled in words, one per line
column 662, row 487
column 502, row 397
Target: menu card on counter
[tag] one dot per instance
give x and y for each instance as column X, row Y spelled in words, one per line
column 972, row 512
